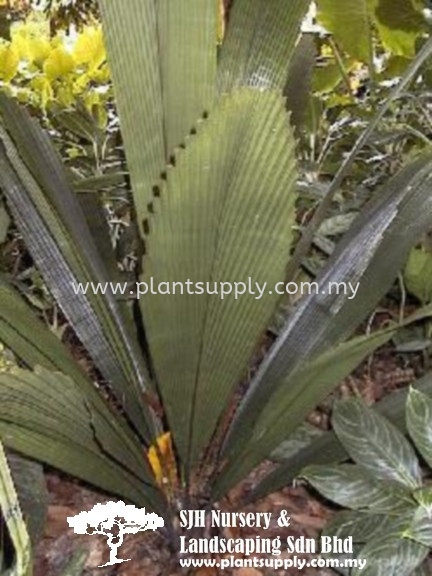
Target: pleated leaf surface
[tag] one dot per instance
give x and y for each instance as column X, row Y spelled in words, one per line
column 131, row 36
column 259, row 43
column 162, row 55
column 224, row 214
column 44, row 415
column 187, row 52
column 52, row 223
column 32, row 341
column 301, row 394
column 370, row 254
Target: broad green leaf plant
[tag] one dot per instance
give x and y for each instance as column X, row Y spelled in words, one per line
column 388, row 497
column 212, row 163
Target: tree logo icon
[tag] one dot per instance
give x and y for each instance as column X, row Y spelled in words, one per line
column 114, row 520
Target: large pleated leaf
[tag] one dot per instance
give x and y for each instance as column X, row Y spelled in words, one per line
column 370, row 254
column 327, row 449
column 30, row 339
column 35, row 344
column 259, row 43
column 23, row 332
column 187, row 55
column 131, row 36
column 52, row 223
column 44, row 415
column 162, row 56
column 224, row 214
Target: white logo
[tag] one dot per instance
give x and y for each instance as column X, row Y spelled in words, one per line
column 114, row 520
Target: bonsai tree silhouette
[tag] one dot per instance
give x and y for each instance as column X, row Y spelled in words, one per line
column 114, row 520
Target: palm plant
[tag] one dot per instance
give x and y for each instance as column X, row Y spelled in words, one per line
column 211, row 158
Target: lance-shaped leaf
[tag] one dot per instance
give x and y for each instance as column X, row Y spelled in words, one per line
column 421, row 526
column 327, row 449
column 361, row 526
column 353, row 487
column 376, row 444
column 10, row 510
column 368, row 257
column 259, row 43
column 419, row 422
column 45, row 415
column 52, row 223
column 224, row 214
column 387, row 555
column 162, row 56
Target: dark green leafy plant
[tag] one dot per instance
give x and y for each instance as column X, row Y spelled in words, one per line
column 389, row 498
column 211, row 158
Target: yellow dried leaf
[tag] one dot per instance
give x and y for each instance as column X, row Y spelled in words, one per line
column 9, row 61
column 168, row 467
column 59, row 63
